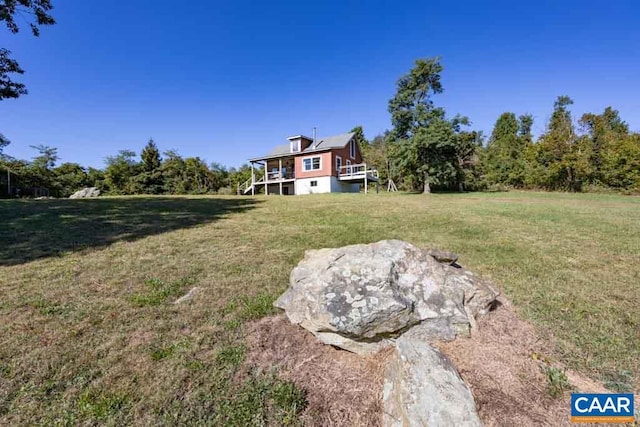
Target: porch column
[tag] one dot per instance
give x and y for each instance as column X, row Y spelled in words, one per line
column 253, row 180
column 280, row 174
column 266, row 176
column 366, row 190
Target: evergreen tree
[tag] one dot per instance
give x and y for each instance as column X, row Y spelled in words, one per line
column 502, row 150
column 150, row 157
column 505, row 161
column 149, row 181
column 359, row 137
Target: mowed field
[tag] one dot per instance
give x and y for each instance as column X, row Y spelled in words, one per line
column 89, row 332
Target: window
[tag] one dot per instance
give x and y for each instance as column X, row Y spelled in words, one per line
column 348, row 167
column 352, row 149
column 311, row 164
column 338, row 163
column 295, row 146
column 314, row 183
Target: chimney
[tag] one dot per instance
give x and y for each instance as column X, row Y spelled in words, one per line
column 314, row 137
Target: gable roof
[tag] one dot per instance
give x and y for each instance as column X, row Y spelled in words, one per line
column 279, row 150
column 337, row 141
column 323, row 144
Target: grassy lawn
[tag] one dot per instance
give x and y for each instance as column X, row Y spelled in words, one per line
column 89, row 331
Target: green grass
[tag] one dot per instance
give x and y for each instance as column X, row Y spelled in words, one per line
column 89, row 332
column 159, row 292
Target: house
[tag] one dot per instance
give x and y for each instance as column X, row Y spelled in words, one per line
column 308, row 165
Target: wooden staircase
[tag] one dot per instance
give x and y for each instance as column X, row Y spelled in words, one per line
column 248, row 186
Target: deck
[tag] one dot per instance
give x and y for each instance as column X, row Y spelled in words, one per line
column 357, row 174
column 268, row 178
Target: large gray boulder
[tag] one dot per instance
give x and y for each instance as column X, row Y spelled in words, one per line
column 423, row 388
column 360, row 297
column 85, row 193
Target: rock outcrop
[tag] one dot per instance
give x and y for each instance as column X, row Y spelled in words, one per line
column 391, row 293
column 85, row 193
column 362, row 296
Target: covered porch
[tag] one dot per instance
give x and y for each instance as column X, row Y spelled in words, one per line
column 271, row 176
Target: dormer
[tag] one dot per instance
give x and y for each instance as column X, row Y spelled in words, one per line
column 299, row 143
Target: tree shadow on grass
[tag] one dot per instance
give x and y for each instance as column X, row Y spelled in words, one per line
column 32, row 229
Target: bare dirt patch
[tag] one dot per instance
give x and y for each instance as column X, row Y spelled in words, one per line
column 502, row 363
column 343, row 389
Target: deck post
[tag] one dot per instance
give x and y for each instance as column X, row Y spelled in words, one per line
column 366, row 190
column 280, row 173
column 266, row 177
column 253, row 180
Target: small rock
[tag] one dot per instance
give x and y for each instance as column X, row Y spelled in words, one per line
column 189, row 295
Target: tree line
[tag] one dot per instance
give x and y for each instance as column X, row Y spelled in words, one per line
column 124, row 174
column 425, row 148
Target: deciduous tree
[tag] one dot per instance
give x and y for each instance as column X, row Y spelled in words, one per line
column 505, row 161
column 602, row 133
column 69, row 178
column 120, row 171
column 8, row 67
column 36, row 13
column 3, row 143
column 428, row 144
column 562, row 164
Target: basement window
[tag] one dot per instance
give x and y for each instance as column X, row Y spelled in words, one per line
column 314, row 183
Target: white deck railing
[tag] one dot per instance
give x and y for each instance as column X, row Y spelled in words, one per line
column 245, row 186
column 357, row 171
column 276, row 176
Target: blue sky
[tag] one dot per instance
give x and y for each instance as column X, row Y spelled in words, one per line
column 226, row 80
